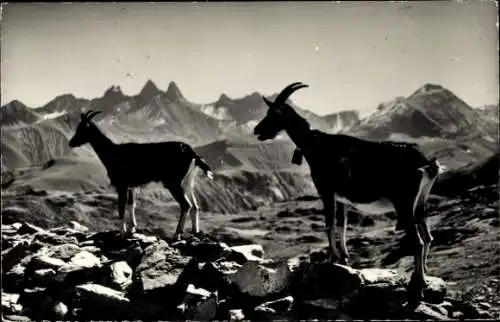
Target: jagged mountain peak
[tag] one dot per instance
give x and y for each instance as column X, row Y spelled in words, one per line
column 223, row 100
column 254, row 95
column 429, row 88
column 173, row 91
column 16, row 112
column 113, row 91
column 149, row 89
column 431, row 111
column 66, row 96
column 61, row 98
column 15, row 104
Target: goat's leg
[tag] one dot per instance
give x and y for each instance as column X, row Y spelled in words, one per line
column 417, row 282
column 180, row 196
column 427, row 239
column 194, row 213
column 421, row 220
column 131, row 206
column 342, row 218
column 331, row 225
column 122, row 201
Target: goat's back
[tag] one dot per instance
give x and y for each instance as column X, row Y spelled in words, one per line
column 366, row 167
column 140, row 163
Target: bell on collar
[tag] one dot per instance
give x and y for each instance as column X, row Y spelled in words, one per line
column 297, row 157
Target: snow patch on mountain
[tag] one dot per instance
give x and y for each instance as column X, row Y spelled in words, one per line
column 52, row 115
column 217, row 112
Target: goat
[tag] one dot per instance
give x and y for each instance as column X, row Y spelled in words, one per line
column 130, row 165
column 372, row 176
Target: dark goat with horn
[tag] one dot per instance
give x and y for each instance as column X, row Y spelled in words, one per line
column 130, row 165
column 372, row 176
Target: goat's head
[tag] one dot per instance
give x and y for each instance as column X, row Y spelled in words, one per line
column 278, row 114
column 82, row 134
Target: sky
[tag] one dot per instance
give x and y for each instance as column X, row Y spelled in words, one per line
column 353, row 55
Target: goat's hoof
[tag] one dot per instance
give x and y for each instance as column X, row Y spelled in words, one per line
column 177, row 237
column 415, row 289
column 334, row 259
column 199, row 234
column 344, row 261
column 414, row 298
column 128, row 234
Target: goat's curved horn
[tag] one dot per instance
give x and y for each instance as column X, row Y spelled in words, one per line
column 286, row 92
column 90, row 115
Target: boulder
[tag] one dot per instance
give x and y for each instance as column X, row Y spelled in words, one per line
column 95, row 301
column 13, row 279
column 43, row 277
column 203, row 250
column 59, row 311
column 380, row 275
column 144, row 240
column 257, row 283
column 242, row 254
column 236, row 315
column 84, row 259
column 312, row 280
column 55, row 239
column 10, row 303
column 198, row 304
column 379, row 301
column 11, row 229
column 426, row 311
column 119, row 275
column 102, row 295
column 131, row 253
column 82, row 267
column 37, row 301
column 72, row 274
column 160, row 267
column 13, row 255
column 78, row 227
column 64, row 251
column 91, row 249
column 214, row 275
column 15, row 318
column 40, row 262
column 27, row 228
column 323, row 309
column 273, row 310
column 435, row 291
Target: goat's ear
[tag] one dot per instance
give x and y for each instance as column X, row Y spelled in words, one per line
column 272, row 105
column 268, row 102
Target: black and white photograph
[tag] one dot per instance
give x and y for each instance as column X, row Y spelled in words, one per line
column 259, row 161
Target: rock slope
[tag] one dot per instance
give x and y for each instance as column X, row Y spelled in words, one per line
column 70, row 273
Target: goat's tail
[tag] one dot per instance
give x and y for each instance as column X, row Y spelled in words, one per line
column 203, row 166
column 434, row 168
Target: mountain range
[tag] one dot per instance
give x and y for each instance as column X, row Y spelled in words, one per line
column 445, row 126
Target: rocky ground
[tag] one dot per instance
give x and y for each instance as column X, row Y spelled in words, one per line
column 71, row 273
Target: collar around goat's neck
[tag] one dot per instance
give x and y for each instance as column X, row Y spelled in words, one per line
column 299, row 133
column 302, row 139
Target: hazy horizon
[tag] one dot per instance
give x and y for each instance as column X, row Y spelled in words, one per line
column 353, row 55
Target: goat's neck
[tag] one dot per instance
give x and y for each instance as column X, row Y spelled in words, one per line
column 299, row 132
column 102, row 146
